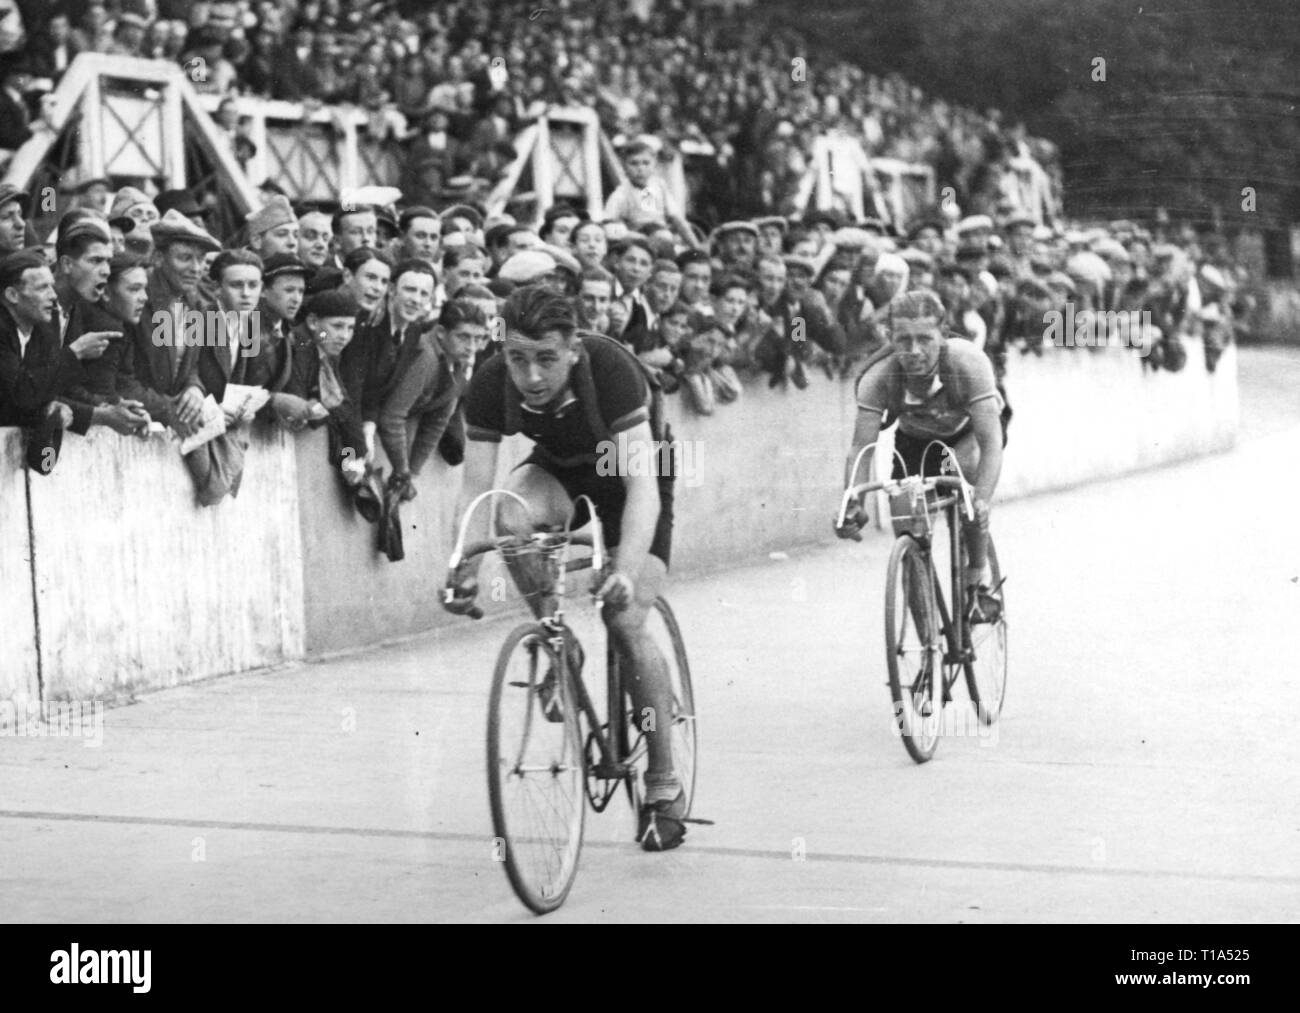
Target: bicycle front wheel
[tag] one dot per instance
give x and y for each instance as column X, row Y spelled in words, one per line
column 535, row 770
column 986, row 672
column 913, row 648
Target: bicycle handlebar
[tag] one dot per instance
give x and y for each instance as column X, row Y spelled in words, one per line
column 595, row 539
column 894, row 486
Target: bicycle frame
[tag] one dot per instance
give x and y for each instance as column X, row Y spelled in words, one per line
column 957, row 506
column 609, row 737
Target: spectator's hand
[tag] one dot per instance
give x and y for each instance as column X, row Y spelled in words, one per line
column 400, row 486
column 60, row 414
column 291, row 411
column 121, row 419
column 139, row 409
column 370, row 428
column 91, row 345
column 189, row 409
column 855, row 519
column 354, row 469
column 317, row 411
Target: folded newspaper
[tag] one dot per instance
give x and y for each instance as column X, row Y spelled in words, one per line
column 244, row 400
column 214, row 424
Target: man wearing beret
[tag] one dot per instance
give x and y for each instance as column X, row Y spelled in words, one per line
column 273, row 229
column 318, row 378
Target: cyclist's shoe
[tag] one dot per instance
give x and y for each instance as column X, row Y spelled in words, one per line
column 985, row 604
column 660, row 826
column 548, row 691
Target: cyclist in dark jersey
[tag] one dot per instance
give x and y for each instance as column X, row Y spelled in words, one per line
column 936, row 389
column 574, row 395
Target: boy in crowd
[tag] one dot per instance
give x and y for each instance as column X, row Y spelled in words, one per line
column 644, row 198
column 431, row 374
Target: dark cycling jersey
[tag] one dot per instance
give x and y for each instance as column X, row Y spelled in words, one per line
column 939, row 410
column 609, row 396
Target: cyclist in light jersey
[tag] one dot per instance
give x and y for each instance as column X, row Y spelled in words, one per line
column 935, row 389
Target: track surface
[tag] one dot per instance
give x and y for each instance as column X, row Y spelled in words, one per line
column 1145, row 769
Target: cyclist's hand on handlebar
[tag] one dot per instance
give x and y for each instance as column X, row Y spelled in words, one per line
column 459, row 596
column 617, row 591
column 855, row 519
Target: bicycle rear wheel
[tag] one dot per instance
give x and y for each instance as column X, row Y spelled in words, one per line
column 913, row 648
column 535, row 772
column 662, row 626
column 986, row 672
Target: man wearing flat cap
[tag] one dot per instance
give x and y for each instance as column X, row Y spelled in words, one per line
column 735, row 246
column 771, row 234
column 163, row 360
column 273, row 229
column 284, row 283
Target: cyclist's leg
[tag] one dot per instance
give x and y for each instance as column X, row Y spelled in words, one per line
column 645, row 671
column 976, row 535
column 548, row 506
column 900, row 508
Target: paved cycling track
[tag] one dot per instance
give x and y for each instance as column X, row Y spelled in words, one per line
column 1145, row 769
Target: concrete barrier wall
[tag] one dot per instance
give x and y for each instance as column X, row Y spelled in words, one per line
column 18, row 664
column 138, row 588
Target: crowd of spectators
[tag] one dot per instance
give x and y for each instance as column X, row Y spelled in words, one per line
column 454, row 82
column 368, row 318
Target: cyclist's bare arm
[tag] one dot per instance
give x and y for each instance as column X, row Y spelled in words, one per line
column 865, row 432
column 641, row 511
column 480, row 472
column 987, row 421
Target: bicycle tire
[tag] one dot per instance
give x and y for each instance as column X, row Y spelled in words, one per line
column 684, row 719
column 910, row 688
column 541, row 757
column 988, row 641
